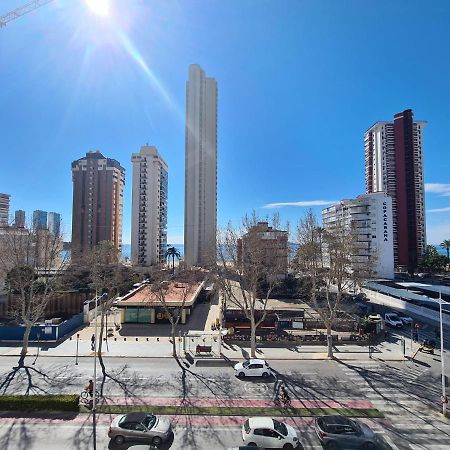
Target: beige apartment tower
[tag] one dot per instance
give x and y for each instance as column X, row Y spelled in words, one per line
column 149, row 207
column 200, row 208
column 97, row 202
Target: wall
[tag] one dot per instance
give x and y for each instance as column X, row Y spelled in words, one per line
column 65, row 303
column 46, row 332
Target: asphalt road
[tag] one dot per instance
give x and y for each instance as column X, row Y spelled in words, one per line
column 407, row 391
column 162, row 378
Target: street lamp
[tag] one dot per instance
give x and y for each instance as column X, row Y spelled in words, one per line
column 76, row 357
column 444, row 396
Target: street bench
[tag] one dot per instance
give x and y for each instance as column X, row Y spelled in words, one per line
column 203, row 349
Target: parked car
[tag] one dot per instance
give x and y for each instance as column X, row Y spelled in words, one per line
column 428, row 346
column 339, row 432
column 139, row 427
column 269, row 433
column 393, row 320
column 405, row 319
column 374, row 318
column 245, row 447
column 142, row 447
column 253, row 368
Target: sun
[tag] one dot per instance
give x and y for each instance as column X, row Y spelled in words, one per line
column 99, row 7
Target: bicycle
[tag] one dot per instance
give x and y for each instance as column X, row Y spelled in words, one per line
column 283, row 402
column 86, row 396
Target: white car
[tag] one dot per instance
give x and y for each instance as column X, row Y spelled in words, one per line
column 393, row 320
column 269, row 433
column 252, row 368
column 405, row 319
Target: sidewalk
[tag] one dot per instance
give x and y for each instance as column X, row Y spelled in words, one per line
column 152, row 347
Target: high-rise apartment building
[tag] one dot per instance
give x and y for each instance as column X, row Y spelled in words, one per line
column 264, row 248
column 97, row 202
column 368, row 218
column 4, row 209
column 54, row 223
column 200, row 211
column 19, row 218
column 149, row 207
column 394, row 165
column 39, row 220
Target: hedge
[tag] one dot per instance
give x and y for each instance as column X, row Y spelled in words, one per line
column 39, row 402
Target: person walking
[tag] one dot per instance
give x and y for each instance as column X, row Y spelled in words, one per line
column 416, row 333
column 93, row 342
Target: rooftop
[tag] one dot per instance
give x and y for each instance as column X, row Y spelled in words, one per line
column 175, row 294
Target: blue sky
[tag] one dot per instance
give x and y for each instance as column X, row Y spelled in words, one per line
column 299, row 83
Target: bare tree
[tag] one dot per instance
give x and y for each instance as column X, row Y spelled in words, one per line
column 31, row 262
column 328, row 257
column 107, row 275
column 165, row 288
column 250, row 267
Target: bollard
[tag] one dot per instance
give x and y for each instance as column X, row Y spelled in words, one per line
column 157, row 339
column 137, row 339
column 124, row 339
column 147, row 339
column 115, row 339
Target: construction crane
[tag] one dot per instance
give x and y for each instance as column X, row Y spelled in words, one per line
column 18, row 12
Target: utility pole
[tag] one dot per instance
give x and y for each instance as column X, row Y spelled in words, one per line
column 444, row 396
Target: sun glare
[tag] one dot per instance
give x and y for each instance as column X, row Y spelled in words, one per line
column 100, row 7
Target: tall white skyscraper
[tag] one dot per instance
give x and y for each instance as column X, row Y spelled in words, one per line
column 200, row 209
column 149, row 207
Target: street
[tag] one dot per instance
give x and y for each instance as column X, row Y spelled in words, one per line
column 407, row 392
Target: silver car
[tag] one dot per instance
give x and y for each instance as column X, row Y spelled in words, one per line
column 139, row 426
column 339, row 432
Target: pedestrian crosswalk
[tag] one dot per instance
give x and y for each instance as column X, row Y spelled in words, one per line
column 411, row 408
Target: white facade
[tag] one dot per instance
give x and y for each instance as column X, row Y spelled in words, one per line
column 200, row 214
column 369, row 217
column 4, row 209
column 149, row 207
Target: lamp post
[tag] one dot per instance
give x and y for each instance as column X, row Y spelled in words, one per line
column 444, row 396
column 94, row 398
column 76, row 356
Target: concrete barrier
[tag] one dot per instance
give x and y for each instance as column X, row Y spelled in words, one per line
column 406, row 307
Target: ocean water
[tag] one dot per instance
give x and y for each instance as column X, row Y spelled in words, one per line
column 126, row 249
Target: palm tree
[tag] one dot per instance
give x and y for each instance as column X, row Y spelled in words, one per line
column 446, row 244
column 173, row 252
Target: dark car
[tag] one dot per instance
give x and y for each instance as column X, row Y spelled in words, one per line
column 338, row 432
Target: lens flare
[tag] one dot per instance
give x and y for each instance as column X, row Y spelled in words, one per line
column 138, row 58
column 99, row 7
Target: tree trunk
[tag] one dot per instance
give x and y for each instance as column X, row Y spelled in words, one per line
column 252, row 336
column 174, row 342
column 26, row 337
column 99, row 346
column 329, row 341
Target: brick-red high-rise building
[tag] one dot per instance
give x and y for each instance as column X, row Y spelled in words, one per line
column 97, row 202
column 394, row 165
